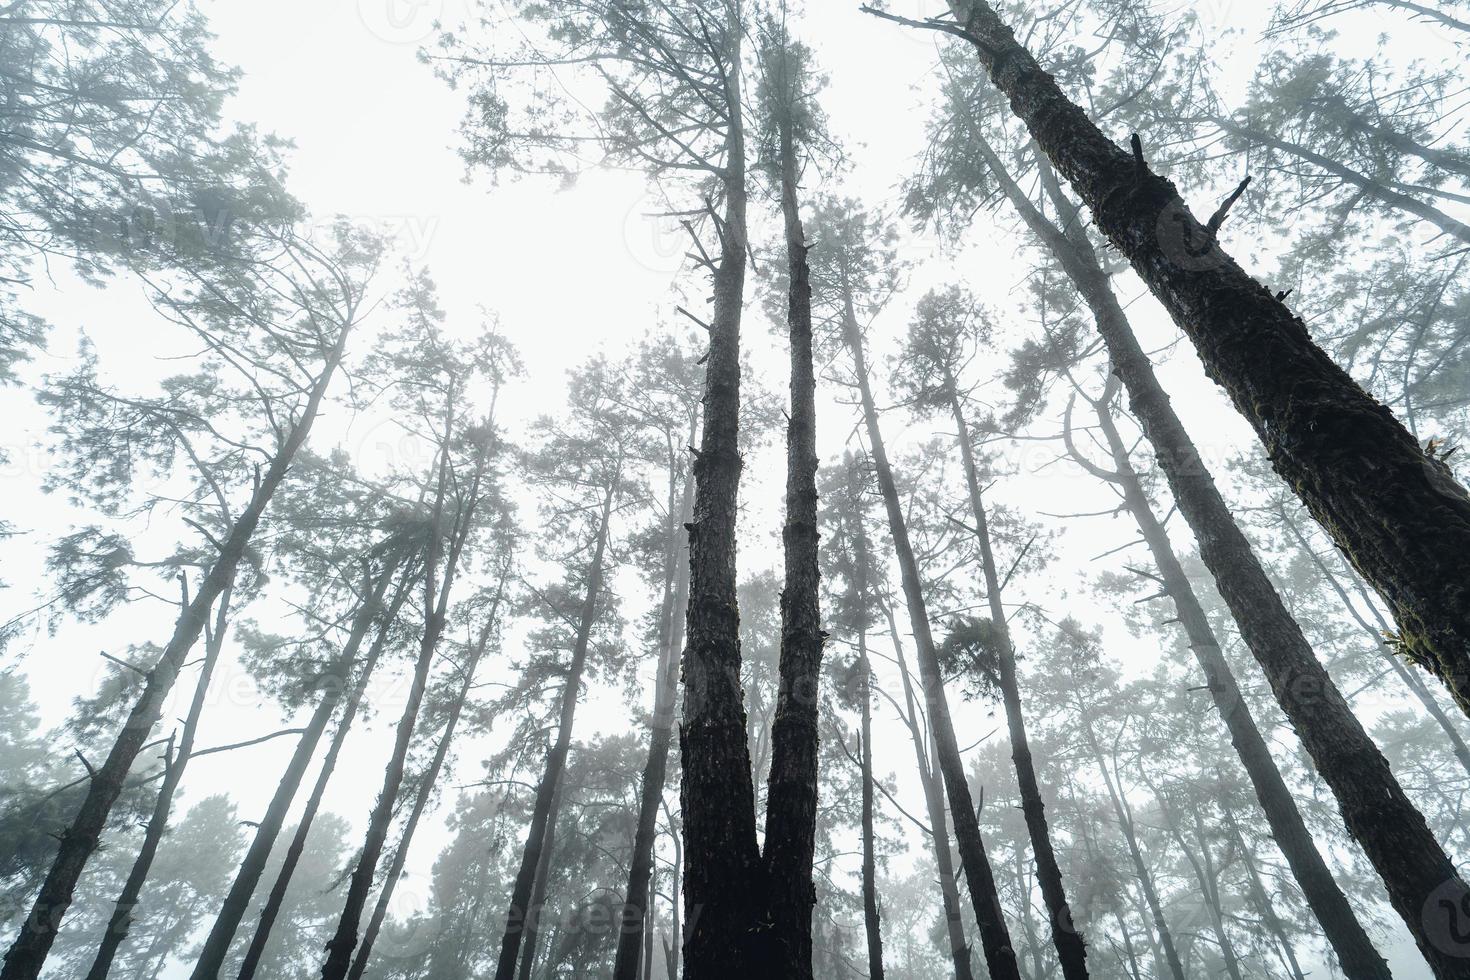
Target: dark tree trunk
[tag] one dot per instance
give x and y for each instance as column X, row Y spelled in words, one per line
column 537, row 909
column 995, row 938
column 421, row 800
column 237, row 901
column 655, row 773
column 1355, row 950
column 1070, row 946
column 521, row 907
column 959, row 945
column 1375, row 809
column 38, row 930
column 862, row 602
column 722, row 862
column 1396, row 511
column 791, row 794
column 176, row 761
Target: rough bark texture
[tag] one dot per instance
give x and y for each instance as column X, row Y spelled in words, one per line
column 791, row 794
column 1355, row 951
column 722, row 865
column 636, row 907
column 1395, row 510
column 1391, row 830
column 1070, row 946
column 237, row 901
column 995, row 938
column 176, row 761
column 521, row 907
column 38, row 930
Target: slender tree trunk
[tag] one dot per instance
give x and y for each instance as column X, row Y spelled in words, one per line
column 556, row 759
column 1070, row 946
column 655, row 772
column 959, row 945
column 237, row 901
column 1203, row 866
column 722, row 866
column 38, row 931
column 127, row 900
column 1395, row 510
column 537, row 909
column 862, row 602
column 1262, row 899
column 791, row 795
column 995, row 938
column 426, row 791
column 1378, row 814
column 1349, row 940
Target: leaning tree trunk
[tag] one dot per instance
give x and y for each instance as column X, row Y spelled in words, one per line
column 175, row 763
column 862, row 602
column 655, row 774
column 421, row 800
column 556, row 759
column 237, row 901
column 995, row 938
column 1071, row 948
column 1378, row 814
column 959, row 945
column 38, row 930
column 791, row 794
column 722, row 868
column 537, row 907
column 1390, row 504
column 1350, row 941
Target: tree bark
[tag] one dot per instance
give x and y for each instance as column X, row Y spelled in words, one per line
column 556, row 759
column 655, row 774
column 722, row 866
column 791, row 794
column 1392, row 507
column 1391, row 830
column 421, row 800
column 1355, row 951
column 1070, row 946
column 237, row 901
column 38, row 931
column 537, row 908
column 174, row 766
column 995, row 938
column 862, row 602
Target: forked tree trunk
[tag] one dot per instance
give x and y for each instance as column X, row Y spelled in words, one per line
column 175, row 763
column 637, row 905
column 426, row 791
column 995, row 938
column 1354, row 948
column 238, row 899
column 521, row 907
column 1071, row 949
column 791, row 794
column 1375, row 809
column 38, row 930
column 722, row 863
column 1394, row 509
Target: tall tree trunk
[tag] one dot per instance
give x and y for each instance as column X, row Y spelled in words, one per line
column 26, row 956
column 1262, row 899
column 237, row 901
column 1350, row 941
column 722, row 864
column 638, row 904
column 127, row 900
column 426, row 791
column 436, row 602
column 1378, row 814
column 791, row 794
column 1203, row 866
column 556, row 759
column 862, row 602
column 536, row 912
column 1070, row 946
column 1394, row 509
column 995, row 938
column 959, row 945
